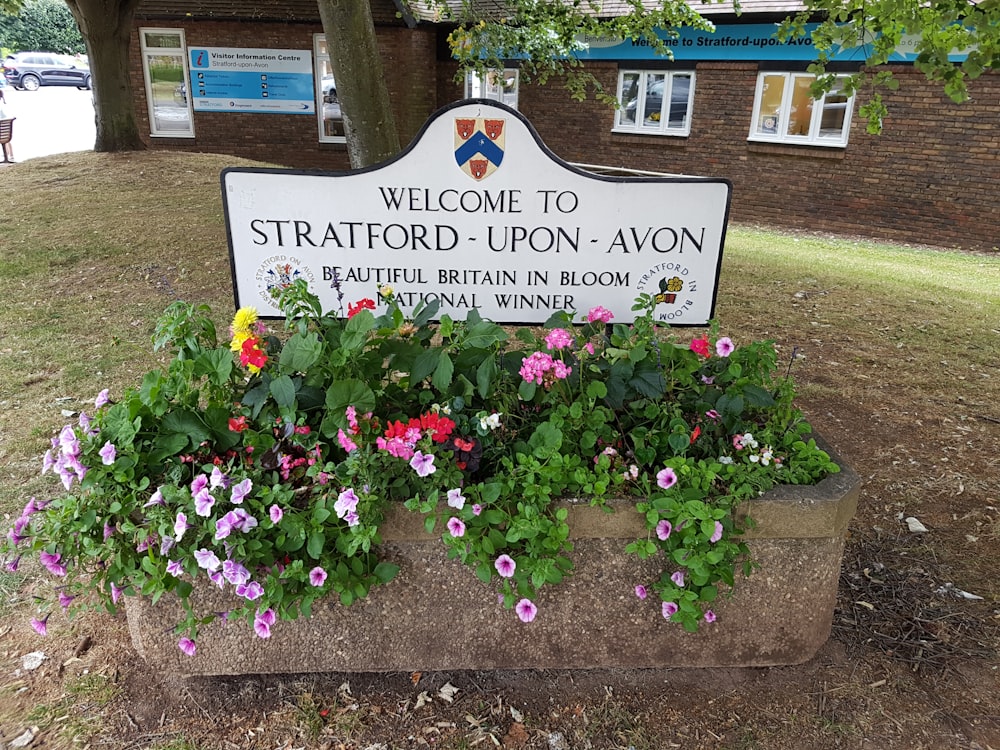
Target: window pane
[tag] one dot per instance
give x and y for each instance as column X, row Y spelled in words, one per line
column 834, row 114
column 169, row 93
column 629, row 97
column 680, row 96
column 800, row 114
column 333, row 120
column 653, row 100
column 772, row 90
column 168, row 41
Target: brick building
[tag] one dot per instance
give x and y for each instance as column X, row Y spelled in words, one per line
column 731, row 105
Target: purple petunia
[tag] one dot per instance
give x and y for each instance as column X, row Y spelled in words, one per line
column 640, row 591
column 262, row 623
column 678, row 578
column 235, row 573
column 108, row 453
column 666, row 478
column 669, row 609
column 275, row 513
column 102, row 399
column 505, row 566
column 187, row 646
column 724, row 346
column 709, row 616
column 203, row 502
column 663, row 529
column 207, row 560
column 526, row 610
column 456, row 527
column 317, row 576
column 422, row 463
column 717, row 534
column 250, row 590
column 240, row 491
column 175, row 569
column 180, row 526
column 456, row 499
column 218, row 479
column 40, row 626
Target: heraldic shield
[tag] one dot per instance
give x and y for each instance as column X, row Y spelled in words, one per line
column 479, row 145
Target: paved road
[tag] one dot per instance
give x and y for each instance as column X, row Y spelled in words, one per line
column 52, row 120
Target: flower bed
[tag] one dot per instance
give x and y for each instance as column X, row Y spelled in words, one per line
column 435, row 616
column 246, row 485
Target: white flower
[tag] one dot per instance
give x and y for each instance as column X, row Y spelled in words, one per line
column 726, row 460
column 491, row 422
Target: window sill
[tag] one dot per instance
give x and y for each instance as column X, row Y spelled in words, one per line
column 186, row 136
column 652, row 133
column 820, row 151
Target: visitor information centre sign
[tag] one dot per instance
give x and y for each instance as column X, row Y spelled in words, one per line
column 478, row 213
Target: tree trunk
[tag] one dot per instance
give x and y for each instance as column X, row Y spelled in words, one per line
column 357, row 68
column 106, row 26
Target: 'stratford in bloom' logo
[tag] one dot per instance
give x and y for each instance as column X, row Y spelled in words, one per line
column 479, row 145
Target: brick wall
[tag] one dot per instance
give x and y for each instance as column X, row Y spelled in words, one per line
column 932, row 177
column 293, row 140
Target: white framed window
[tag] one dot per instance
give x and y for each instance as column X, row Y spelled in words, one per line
column 784, row 112
column 165, row 71
column 331, row 121
column 498, row 85
column 657, row 102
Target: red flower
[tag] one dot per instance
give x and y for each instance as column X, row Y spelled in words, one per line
column 238, row 424
column 251, row 355
column 695, row 434
column 701, row 347
column 441, row 426
column 363, row 304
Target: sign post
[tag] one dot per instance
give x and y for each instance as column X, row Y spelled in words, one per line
column 478, row 213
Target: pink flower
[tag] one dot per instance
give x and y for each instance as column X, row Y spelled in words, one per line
column 666, row 478
column 669, row 609
column 345, row 442
column 477, row 509
column 700, row 346
column 276, row 513
column 108, row 453
column 262, row 623
column 724, row 346
column 678, row 578
column 187, row 646
column 640, row 591
column 456, row 527
column 709, row 616
column 663, row 529
column 40, row 626
column 526, row 610
column 102, row 399
column 317, row 576
column 599, row 315
column 505, row 566
column 717, row 534
column 712, row 414
column 589, row 347
column 347, row 502
column 558, row 338
column 240, row 491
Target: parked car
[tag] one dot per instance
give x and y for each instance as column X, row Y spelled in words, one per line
column 29, row 70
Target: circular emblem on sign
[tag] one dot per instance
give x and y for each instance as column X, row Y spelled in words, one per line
column 277, row 273
column 673, row 288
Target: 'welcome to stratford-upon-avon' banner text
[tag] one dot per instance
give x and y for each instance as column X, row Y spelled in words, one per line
column 477, row 213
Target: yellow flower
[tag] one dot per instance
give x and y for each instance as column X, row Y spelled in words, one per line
column 385, row 291
column 245, row 318
column 236, row 344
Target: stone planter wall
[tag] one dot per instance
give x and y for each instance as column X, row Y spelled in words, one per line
column 435, row 615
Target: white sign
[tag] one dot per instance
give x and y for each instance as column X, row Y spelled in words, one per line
column 478, row 213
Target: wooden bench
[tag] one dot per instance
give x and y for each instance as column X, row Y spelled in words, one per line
column 6, row 132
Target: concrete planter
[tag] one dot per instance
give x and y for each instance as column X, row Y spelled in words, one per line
column 435, row 615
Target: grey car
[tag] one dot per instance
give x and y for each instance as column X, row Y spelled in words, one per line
column 29, row 70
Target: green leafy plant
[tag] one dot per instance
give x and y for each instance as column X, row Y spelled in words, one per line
column 264, row 465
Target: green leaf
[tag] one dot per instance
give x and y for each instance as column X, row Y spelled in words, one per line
column 758, row 397
column 283, row 390
column 597, row 390
column 344, row 393
column 315, row 547
column 356, row 331
column 484, row 572
column 186, row 423
column 385, row 571
column 486, row 374
column 216, row 365
column 444, row 372
column 425, row 363
column 300, row 352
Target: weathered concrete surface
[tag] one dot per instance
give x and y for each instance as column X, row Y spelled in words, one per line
column 435, row 615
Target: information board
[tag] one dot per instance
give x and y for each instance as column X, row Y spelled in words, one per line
column 236, row 79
